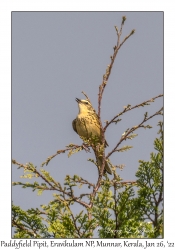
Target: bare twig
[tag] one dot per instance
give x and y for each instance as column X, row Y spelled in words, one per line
column 130, row 108
column 72, row 147
column 86, row 96
column 109, row 67
column 83, row 181
column 124, row 137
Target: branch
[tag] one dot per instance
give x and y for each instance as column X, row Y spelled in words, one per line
column 86, row 97
column 124, row 136
column 128, row 108
column 59, row 189
column 75, row 225
column 34, row 170
column 115, row 212
column 127, row 182
column 15, row 224
column 109, row 67
column 69, row 147
column 101, row 90
column 81, row 181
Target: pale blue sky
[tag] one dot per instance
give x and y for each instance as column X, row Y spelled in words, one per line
column 55, row 56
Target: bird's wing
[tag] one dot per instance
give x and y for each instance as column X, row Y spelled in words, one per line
column 74, row 125
column 106, row 144
column 98, row 125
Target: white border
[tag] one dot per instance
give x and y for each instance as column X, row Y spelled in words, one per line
column 5, row 91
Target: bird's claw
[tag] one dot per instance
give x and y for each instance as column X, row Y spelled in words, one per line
column 86, row 147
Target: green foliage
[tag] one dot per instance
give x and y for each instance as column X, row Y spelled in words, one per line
column 74, row 150
column 28, row 224
column 114, row 212
column 150, row 192
column 124, row 148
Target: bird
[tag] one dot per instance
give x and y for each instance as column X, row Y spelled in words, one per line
column 87, row 126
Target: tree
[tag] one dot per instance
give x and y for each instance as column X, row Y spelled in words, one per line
column 110, row 206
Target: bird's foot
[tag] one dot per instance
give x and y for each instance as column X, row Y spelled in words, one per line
column 86, row 147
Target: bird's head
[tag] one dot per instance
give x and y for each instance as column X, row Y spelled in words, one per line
column 84, row 106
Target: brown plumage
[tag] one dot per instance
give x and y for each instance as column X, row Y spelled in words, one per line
column 87, row 125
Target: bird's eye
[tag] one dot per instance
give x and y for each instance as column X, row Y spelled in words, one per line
column 87, row 103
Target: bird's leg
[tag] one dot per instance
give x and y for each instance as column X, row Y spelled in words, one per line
column 86, row 147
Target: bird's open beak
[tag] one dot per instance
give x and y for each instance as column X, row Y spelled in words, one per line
column 77, row 100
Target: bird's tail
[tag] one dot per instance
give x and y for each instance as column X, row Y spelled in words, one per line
column 107, row 167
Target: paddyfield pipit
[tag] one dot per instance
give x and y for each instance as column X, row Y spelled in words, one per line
column 87, row 126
